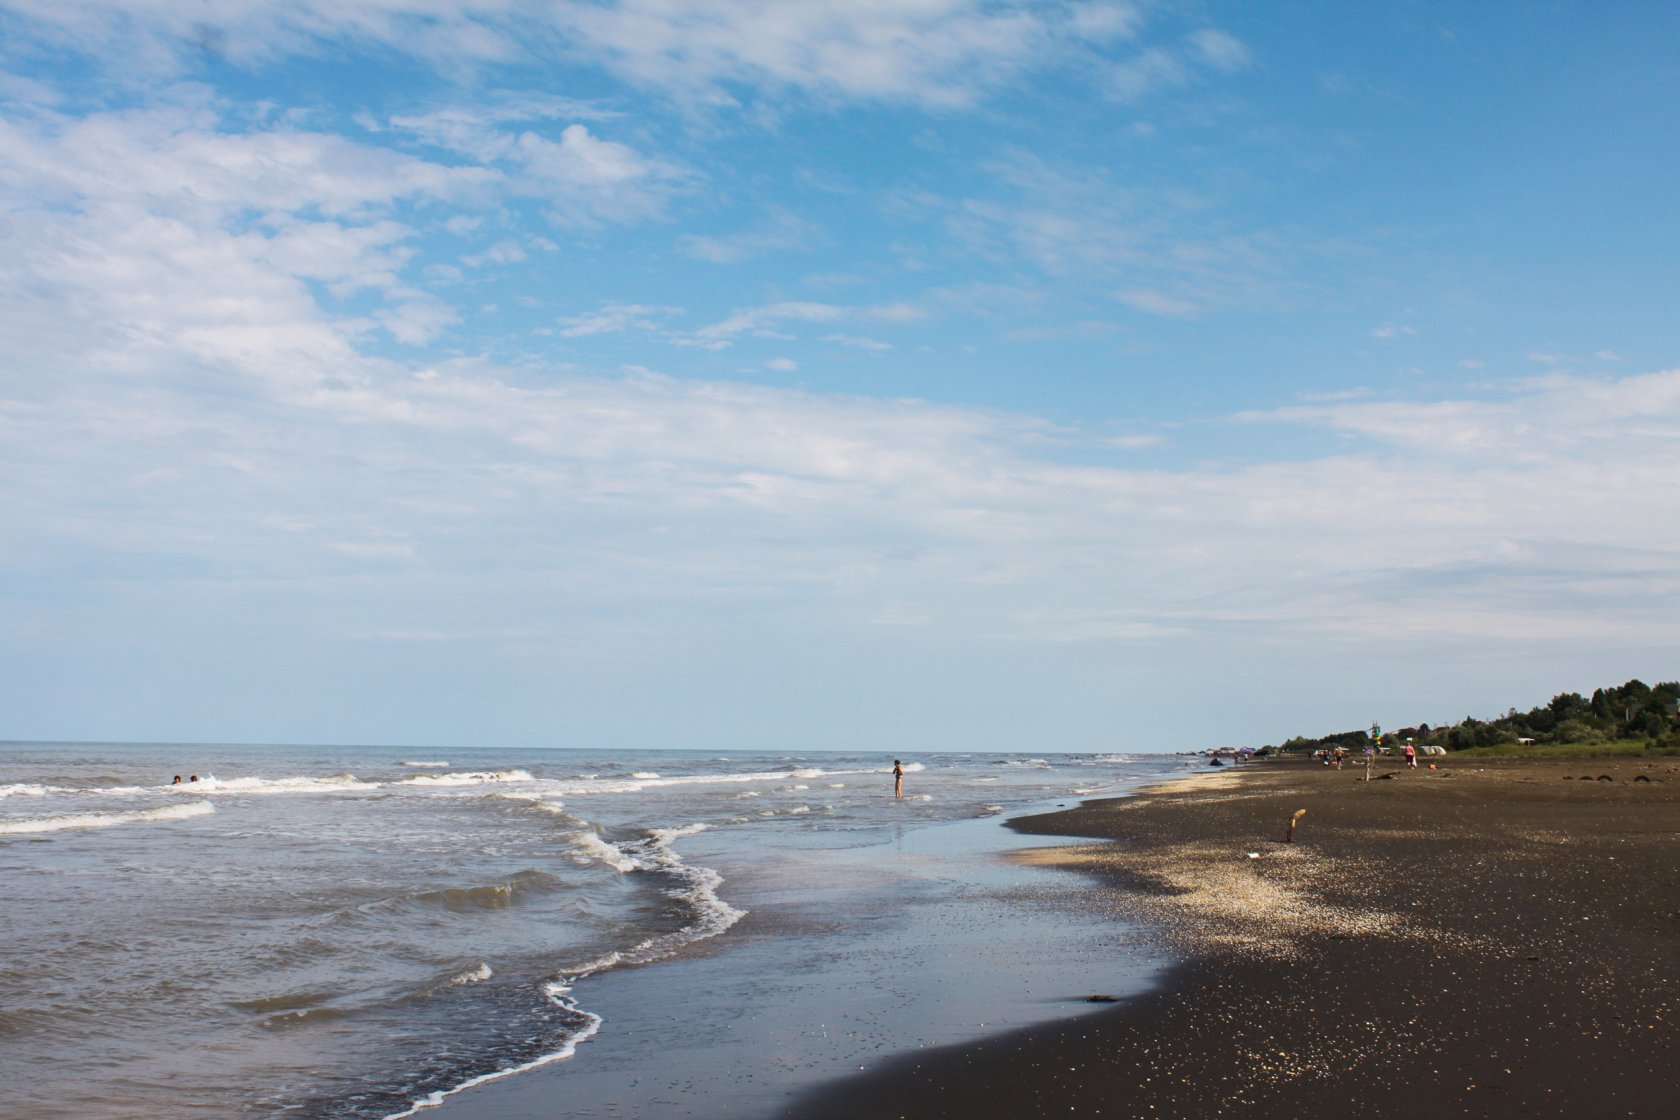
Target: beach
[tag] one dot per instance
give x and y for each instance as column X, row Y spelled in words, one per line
column 1490, row 938
column 355, row 933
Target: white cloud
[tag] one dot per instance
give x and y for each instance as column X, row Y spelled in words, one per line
column 1106, row 22
column 693, row 490
column 782, row 365
column 1075, row 224
column 1145, row 73
column 763, row 321
column 783, row 232
column 176, row 162
column 1220, row 49
column 858, row 342
column 585, row 179
column 1390, row 330
column 1156, row 303
column 176, row 236
column 612, row 318
column 417, row 321
column 503, row 252
column 1157, row 69
column 930, row 52
column 941, row 52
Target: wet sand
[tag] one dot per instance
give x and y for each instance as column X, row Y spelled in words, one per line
column 1489, row 939
column 847, row 956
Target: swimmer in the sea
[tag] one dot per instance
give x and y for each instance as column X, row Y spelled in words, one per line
column 898, row 778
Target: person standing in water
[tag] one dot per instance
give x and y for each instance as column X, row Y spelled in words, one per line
column 898, row 778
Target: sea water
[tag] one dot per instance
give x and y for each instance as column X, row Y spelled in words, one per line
column 359, row 931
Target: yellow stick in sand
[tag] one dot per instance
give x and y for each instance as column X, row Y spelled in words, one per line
column 1289, row 837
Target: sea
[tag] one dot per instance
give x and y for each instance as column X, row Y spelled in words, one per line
column 368, row 932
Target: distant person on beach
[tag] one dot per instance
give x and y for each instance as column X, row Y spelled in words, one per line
column 1411, row 756
column 1340, row 753
column 194, row 778
column 177, row 780
column 898, row 778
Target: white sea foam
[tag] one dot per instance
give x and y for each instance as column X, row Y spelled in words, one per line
column 423, row 764
column 590, row 784
column 108, row 820
column 27, row 789
column 991, row 810
column 713, row 916
column 590, row 848
column 546, row 803
column 669, row 835
column 555, row 991
column 332, row 783
column 476, row 778
column 646, row 775
column 475, row 975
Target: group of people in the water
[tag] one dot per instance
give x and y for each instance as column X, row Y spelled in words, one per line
column 177, row 780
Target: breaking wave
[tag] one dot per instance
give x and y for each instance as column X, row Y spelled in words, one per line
column 108, row 820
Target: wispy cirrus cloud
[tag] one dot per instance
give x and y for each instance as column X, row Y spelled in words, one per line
column 784, row 231
column 614, row 318
column 1148, row 246
column 169, row 231
column 942, row 53
column 584, row 179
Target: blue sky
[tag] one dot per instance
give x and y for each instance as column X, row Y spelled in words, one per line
column 916, row 375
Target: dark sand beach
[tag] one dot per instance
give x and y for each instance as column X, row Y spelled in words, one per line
column 1489, row 939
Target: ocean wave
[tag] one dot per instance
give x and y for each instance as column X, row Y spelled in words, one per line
column 592, row 784
column 477, row 974
column 290, row 1002
column 697, row 889
column 588, row 847
column 423, row 764
column 476, row 778
column 332, row 783
column 28, row 789
column 560, row 996
column 488, row 896
column 108, row 820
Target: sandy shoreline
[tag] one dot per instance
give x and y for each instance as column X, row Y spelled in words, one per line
column 1494, row 938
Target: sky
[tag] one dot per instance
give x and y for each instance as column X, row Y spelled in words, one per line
column 832, row 374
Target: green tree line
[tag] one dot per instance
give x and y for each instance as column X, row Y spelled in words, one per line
column 1633, row 711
